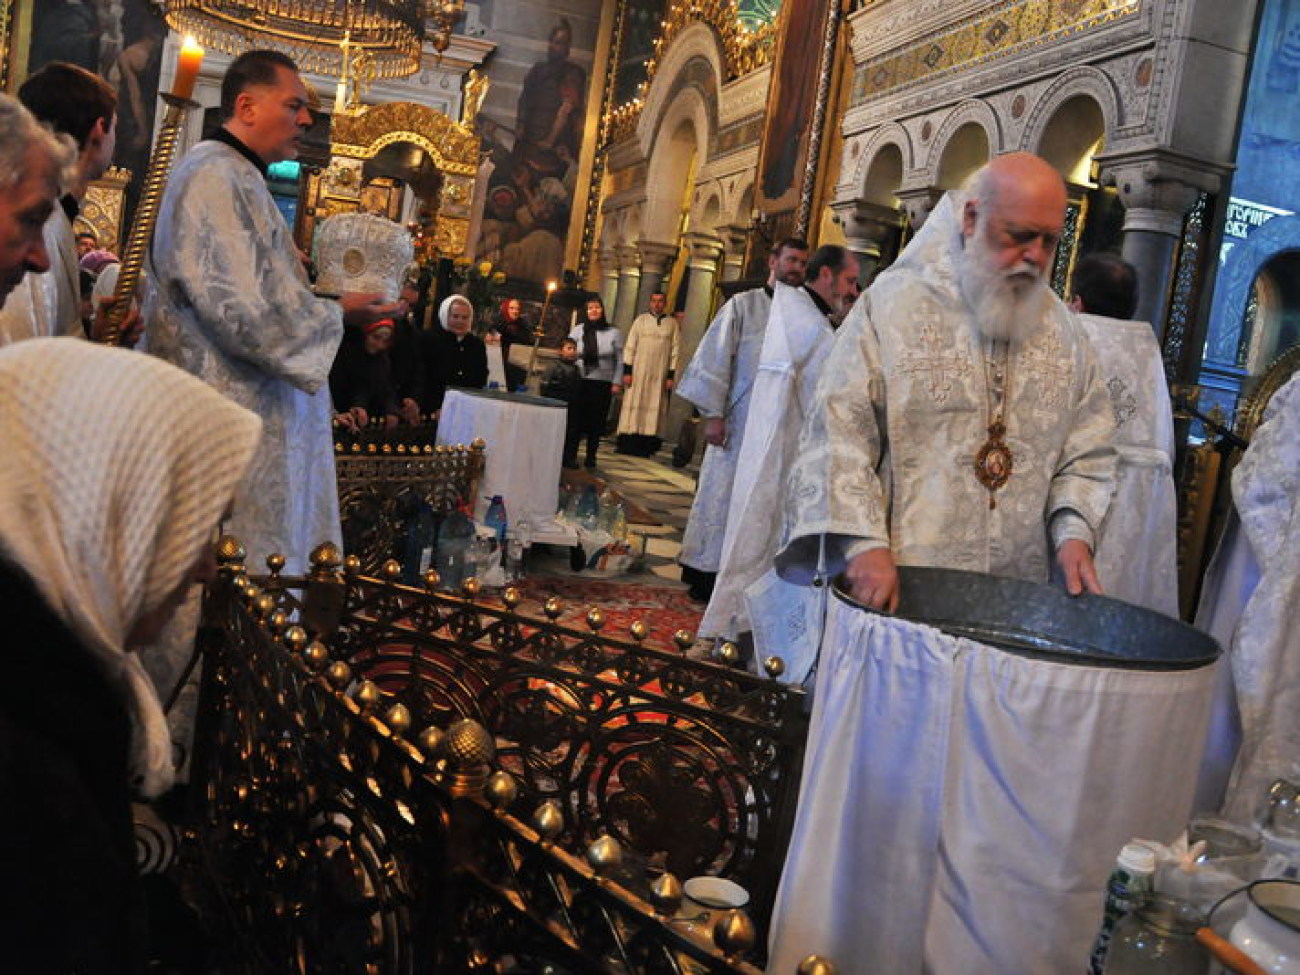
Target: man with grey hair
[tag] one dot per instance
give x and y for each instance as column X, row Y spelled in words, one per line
column 31, row 164
column 962, row 421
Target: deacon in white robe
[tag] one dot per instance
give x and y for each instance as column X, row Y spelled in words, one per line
column 961, row 422
column 800, row 334
column 718, row 382
column 649, row 368
column 1137, row 543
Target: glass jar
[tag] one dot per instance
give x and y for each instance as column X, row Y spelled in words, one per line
column 1158, row 937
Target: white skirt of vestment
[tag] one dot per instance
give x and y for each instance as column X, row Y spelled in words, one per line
column 961, row 807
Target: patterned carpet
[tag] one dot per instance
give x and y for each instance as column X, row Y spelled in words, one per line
column 664, row 609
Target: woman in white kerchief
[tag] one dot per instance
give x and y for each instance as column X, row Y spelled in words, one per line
column 453, row 355
column 117, row 468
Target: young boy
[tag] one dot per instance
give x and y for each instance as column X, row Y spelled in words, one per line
column 562, row 382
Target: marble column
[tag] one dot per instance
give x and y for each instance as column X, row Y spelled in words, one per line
column 1157, row 189
column 867, row 230
column 735, row 237
column 629, row 278
column 655, row 257
column 609, row 277
column 706, row 253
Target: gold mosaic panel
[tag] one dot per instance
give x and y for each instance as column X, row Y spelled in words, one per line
column 1005, row 29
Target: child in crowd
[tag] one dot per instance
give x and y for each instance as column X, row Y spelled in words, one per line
column 562, row 382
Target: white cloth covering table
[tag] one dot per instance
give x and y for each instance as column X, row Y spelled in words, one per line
column 961, row 806
column 525, row 444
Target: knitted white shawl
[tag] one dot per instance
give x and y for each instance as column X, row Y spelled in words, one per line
column 116, row 468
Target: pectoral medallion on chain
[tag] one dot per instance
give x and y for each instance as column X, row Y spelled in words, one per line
column 994, row 462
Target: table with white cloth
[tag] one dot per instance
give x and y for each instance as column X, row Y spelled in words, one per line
column 525, row 445
column 962, row 804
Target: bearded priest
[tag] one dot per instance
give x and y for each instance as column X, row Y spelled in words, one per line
column 962, row 421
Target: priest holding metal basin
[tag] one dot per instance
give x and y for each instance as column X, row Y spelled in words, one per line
column 983, row 739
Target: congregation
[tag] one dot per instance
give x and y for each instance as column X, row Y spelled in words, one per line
column 949, row 410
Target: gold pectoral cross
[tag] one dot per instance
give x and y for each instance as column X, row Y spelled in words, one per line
column 994, row 461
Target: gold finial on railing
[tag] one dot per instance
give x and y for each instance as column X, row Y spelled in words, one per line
column 367, row 695
column 684, row 639
column 604, row 854
column 469, row 749
column 339, row 674
column 774, row 667
column 479, row 445
column 264, row 605
column 231, row 553
column 639, row 631
column 325, row 560
column 815, row 965
column 316, row 655
column 295, row 638
column 728, row 654
column 501, row 789
column 512, row 597
column 429, row 742
column 734, row 933
column 398, row 719
column 553, row 608
column 470, row 587
column 275, row 563
column 595, row 619
column 548, row 820
column 391, row 570
column 352, row 565
column 278, row 621
column 666, row 894
column 431, row 579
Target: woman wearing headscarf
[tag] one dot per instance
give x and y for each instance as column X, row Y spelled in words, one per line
column 600, row 348
column 117, row 470
column 453, row 354
column 512, row 328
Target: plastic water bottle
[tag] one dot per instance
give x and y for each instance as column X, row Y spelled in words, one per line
column 516, row 546
column 1129, row 884
column 496, row 520
column 454, row 538
column 589, row 508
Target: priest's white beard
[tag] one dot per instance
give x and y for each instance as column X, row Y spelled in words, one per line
column 1007, row 304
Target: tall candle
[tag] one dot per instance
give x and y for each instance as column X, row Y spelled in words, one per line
column 187, row 68
column 340, row 96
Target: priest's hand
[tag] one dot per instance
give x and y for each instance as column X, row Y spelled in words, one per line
column 410, row 411
column 715, row 431
column 129, row 329
column 361, row 308
column 873, row 579
column 1075, row 559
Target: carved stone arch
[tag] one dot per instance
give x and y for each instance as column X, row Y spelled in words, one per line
column 970, row 111
column 695, row 60
column 891, row 133
column 1240, row 268
column 685, row 128
column 706, row 216
column 1082, row 80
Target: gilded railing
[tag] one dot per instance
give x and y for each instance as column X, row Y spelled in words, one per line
column 381, row 843
column 389, row 483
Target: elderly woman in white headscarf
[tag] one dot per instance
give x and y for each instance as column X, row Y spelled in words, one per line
column 453, row 354
column 117, row 469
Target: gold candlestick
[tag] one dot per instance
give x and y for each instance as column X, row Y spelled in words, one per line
column 146, row 216
column 539, row 331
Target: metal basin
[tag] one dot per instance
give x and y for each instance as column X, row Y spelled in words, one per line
column 1037, row 620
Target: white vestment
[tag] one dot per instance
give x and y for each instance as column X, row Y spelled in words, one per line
column 47, row 305
column 904, row 406
column 1136, row 555
column 651, row 350
column 232, row 306
column 1265, row 649
column 799, row 339
column 718, row 382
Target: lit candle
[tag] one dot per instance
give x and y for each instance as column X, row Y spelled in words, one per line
column 187, row 68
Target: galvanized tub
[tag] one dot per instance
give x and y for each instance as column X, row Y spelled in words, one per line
column 1037, row 620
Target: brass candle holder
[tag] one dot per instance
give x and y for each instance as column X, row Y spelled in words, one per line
column 146, row 216
column 539, row 331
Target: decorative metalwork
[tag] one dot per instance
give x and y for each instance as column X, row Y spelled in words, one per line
column 604, row 139
column 1066, row 246
column 1250, row 412
column 1187, row 277
column 387, row 488
column 994, row 32
column 389, row 34
column 364, row 857
column 826, row 67
column 103, row 208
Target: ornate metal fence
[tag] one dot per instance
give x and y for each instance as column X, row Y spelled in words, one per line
column 370, row 843
column 392, row 488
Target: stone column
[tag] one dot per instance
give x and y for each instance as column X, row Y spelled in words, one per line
column 706, row 253
column 867, row 228
column 917, row 202
column 654, row 261
column 735, row 237
column 1157, row 189
column 629, row 278
column 608, row 278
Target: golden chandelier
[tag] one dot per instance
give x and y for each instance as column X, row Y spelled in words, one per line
column 387, row 34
